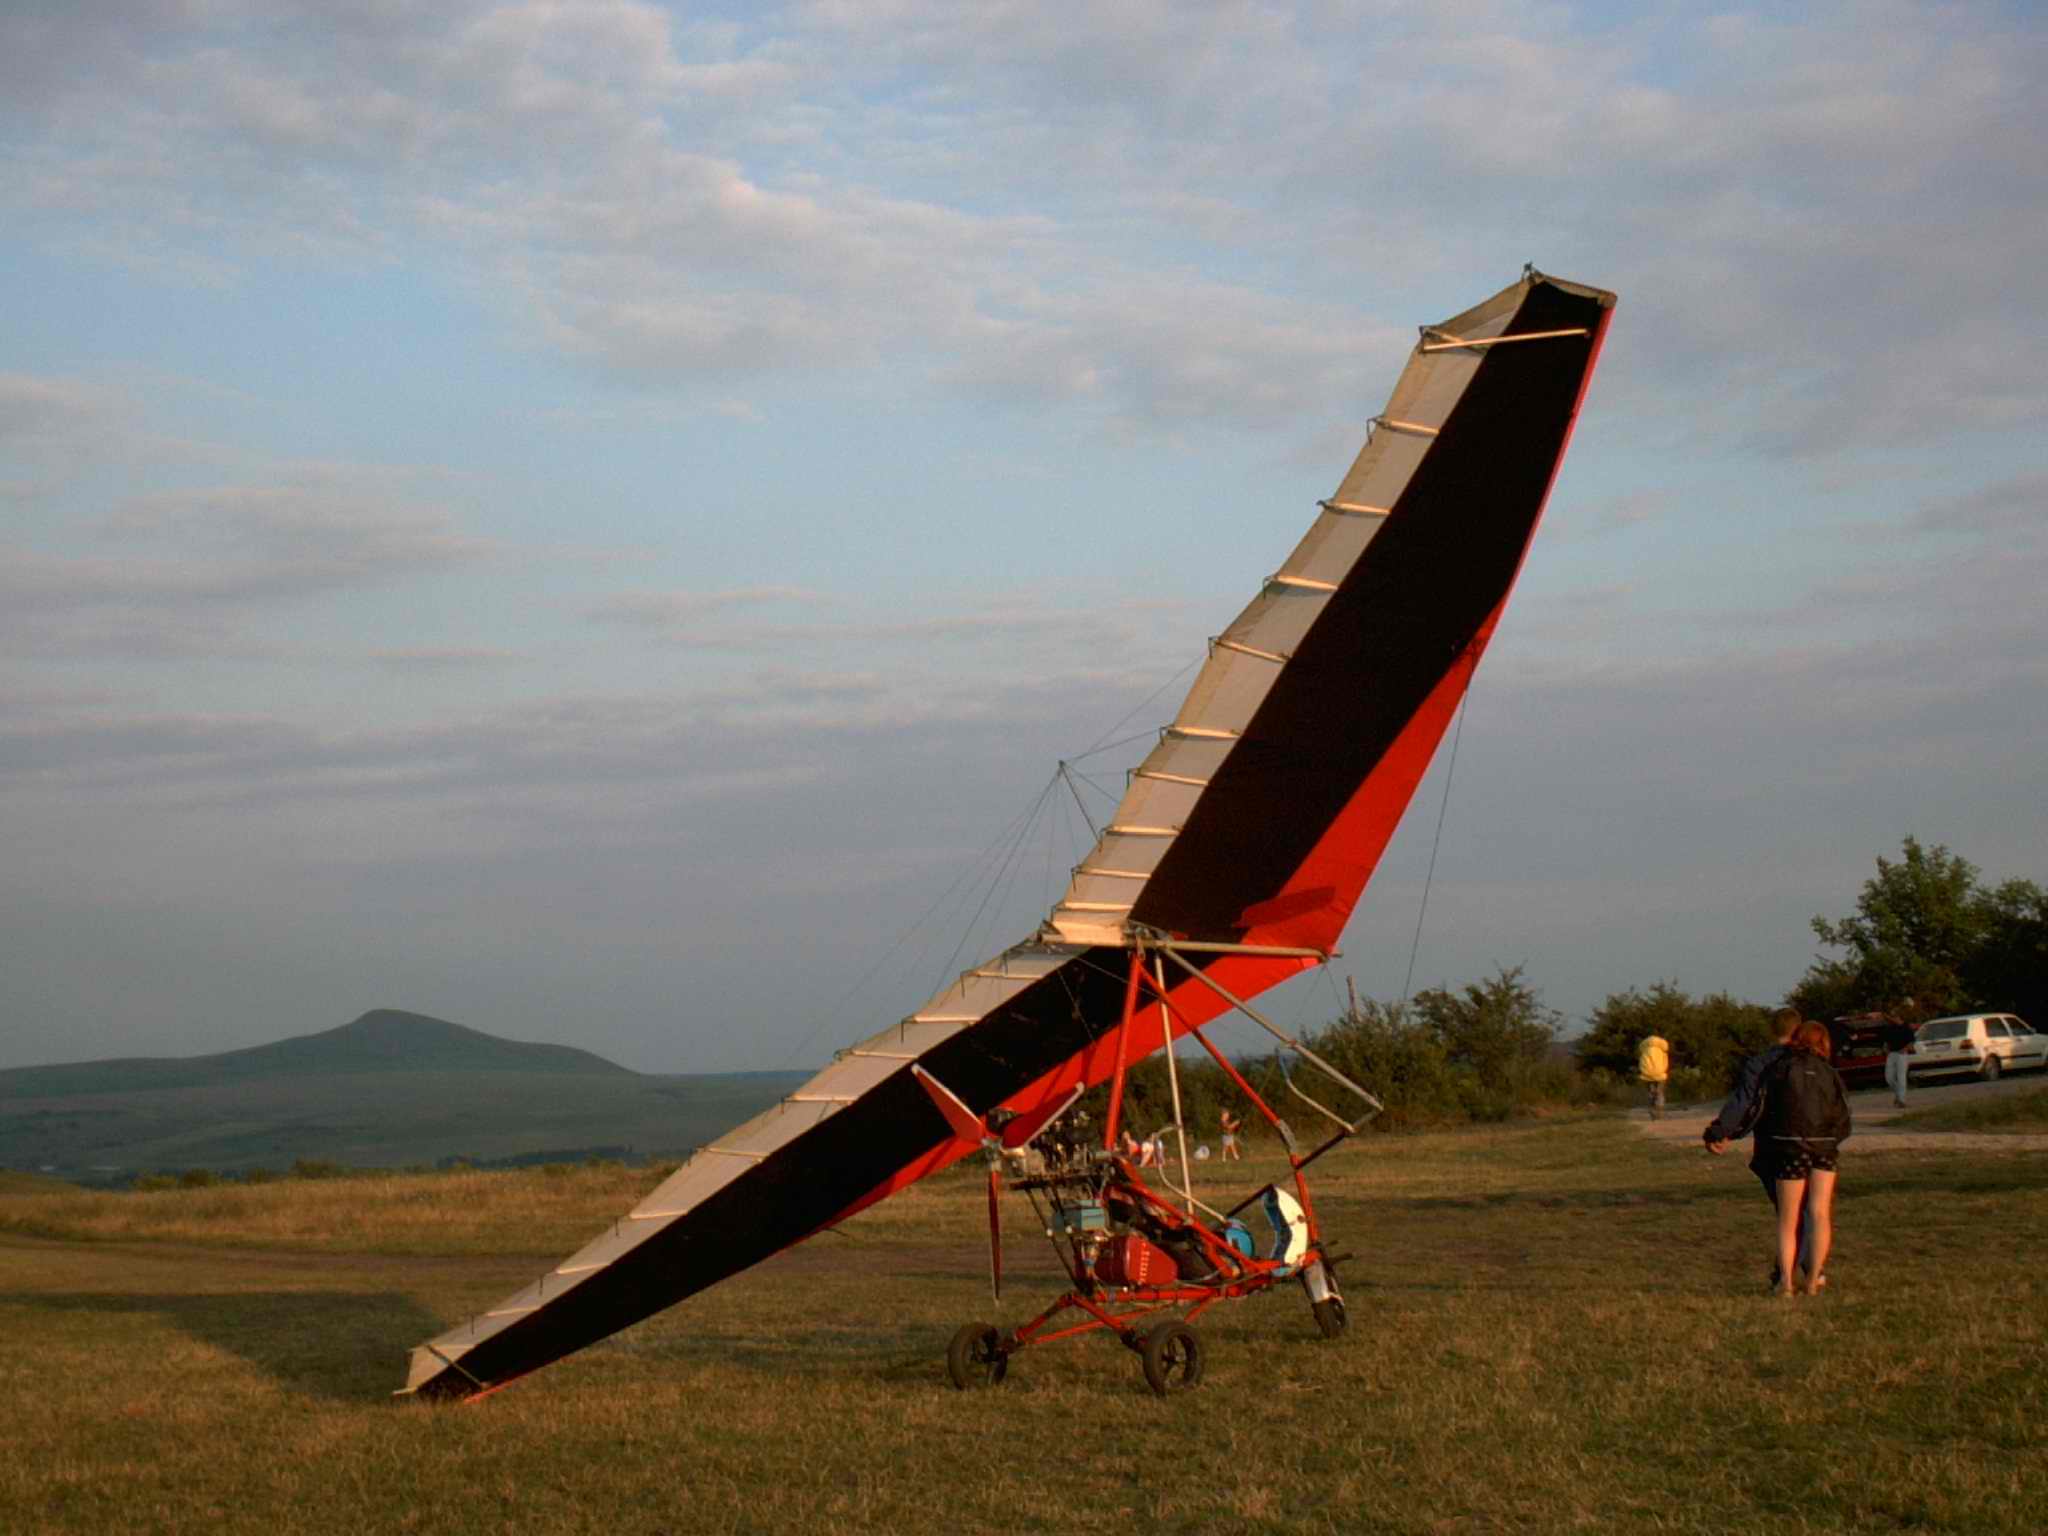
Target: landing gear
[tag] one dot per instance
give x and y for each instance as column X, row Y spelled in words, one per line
column 975, row 1358
column 1173, row 1358
column 1330, row 1316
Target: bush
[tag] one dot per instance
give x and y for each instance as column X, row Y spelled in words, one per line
column 1709, row 1036
column 197, row 1178
column 1482, row 1053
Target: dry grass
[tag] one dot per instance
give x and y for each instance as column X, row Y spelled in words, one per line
column 2024, row 1113
column 530, row 1211
column 1557, row 1327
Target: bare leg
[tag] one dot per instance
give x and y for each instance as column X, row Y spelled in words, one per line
column 1821, row 1196
column 1791, row 1197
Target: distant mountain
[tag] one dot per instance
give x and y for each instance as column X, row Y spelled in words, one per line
column 382, row 1040
column 389, row 1090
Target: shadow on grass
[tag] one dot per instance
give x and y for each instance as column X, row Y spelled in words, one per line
column 349, row 1346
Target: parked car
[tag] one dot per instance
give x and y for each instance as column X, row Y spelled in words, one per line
column 1984, row 1043
column 1859, row 1047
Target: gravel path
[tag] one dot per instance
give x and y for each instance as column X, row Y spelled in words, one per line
column 1874, row 1112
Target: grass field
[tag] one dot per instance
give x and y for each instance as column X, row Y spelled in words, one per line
column 1556, row 1326
column 2019, row 1113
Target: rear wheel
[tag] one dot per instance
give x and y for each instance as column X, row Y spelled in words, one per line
column 1331, row 1316
column 1173, row 1358
column 1991, row 1069
column 975, row 1358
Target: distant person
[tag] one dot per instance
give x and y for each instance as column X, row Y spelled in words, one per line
column 1739, row 1115
column 1897, row 1064
column 1231, row 1125
column 1653, row 1066
column 1130, row 1146
column 1799, row 1132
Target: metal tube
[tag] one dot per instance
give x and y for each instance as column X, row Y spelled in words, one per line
column 1123, row 1039
column 1180, row 1129
column 1278, row 1034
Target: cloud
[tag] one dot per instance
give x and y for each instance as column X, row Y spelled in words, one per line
column 52, row 430
column 696, row 618
column 446, row 658
column 187, row 569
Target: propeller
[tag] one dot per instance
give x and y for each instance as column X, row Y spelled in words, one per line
column 999, row 1131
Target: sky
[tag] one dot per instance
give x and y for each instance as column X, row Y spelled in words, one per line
column 599, row 521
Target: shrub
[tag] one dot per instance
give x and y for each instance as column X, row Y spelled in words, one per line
column 1709, row 1036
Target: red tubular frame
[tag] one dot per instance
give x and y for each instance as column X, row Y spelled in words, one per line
column 1116, row 1307
column 1123, row 1044
column 1294, row 1158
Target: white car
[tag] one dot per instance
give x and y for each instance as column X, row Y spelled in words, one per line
column 1984, row 1043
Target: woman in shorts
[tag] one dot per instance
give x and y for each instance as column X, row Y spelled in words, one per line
column 1805, row 1120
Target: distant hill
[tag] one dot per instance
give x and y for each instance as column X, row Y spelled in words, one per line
column 390, row 1089
column 382, row 1040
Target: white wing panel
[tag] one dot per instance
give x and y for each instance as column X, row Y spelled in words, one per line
column 1330, row 548
column 1248, row 655
column 1274, row 623
column 1188, row 757
column 1431, row 387
column 1157, row 803
column 1382, row 470
column 1121, row 851
column 1228, row 692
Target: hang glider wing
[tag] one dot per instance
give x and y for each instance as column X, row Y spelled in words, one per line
column 1246, row 837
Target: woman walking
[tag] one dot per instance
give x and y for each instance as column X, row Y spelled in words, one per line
column 1804, row 1122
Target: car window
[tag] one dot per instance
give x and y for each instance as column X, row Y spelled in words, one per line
column 1996, row 1029
column 2021, row 1027
column 1945, row 1029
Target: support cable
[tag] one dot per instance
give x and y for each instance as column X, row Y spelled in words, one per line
column 1436, row 842
column 965, row 878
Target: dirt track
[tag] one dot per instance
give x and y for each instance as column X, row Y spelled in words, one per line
column 1873, row 1111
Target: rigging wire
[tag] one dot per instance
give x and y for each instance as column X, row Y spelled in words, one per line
column 1428, row 880
column 967, row 876
column 1111, row 746
column 1016, row 834
column 1111, row 795
column 1023, row 832
column 1067, row 774
column 1103, row 745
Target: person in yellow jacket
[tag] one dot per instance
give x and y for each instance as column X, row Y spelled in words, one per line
column 1653, row 1066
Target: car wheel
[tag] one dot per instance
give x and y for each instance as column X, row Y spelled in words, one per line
column 1990, row 1069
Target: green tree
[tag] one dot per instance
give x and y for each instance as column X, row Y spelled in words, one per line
column 2009, row 967
column 1918, row 924
column 1496, row 1030
column 1385, row 1048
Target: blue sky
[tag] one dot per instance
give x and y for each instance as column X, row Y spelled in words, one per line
column 587, row 519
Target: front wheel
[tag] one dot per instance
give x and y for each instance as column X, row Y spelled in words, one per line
column 1173, row 1358
column 1331, row 1316
column 1991, row 1069
column 975, row 1358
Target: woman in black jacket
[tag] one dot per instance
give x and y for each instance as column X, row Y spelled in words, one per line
column 1804, row 1122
